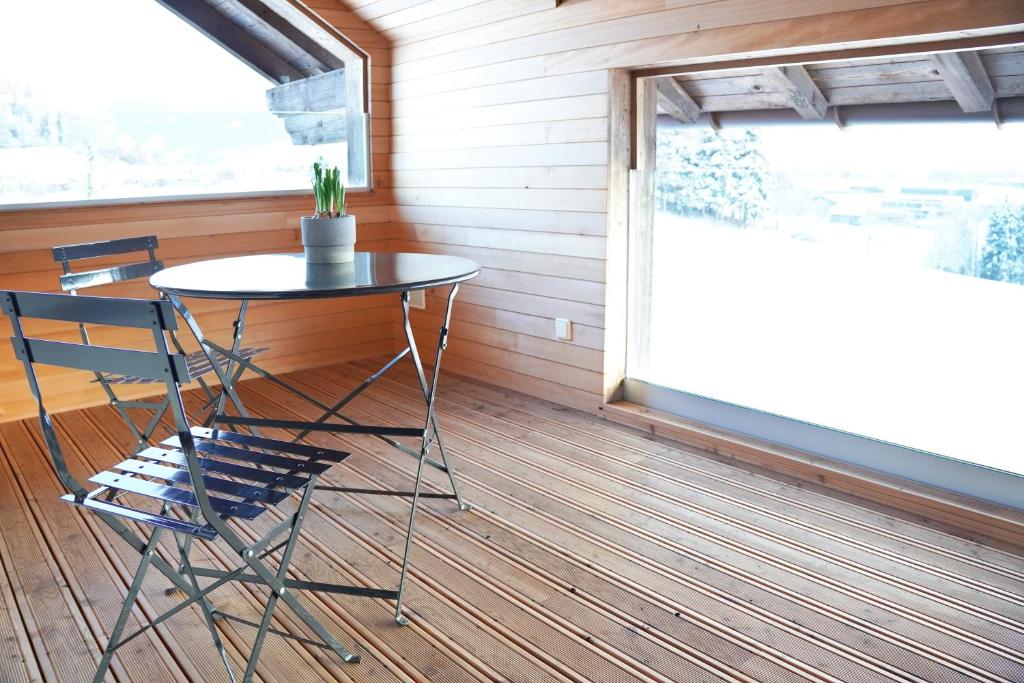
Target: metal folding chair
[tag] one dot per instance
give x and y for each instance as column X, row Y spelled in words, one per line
column 205, row 484
column 200, row 363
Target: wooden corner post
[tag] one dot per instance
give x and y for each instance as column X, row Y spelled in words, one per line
column 631, row 162
column 620, row 152
column 641, row 218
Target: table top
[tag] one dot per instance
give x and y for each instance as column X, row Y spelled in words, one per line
column 288, row 276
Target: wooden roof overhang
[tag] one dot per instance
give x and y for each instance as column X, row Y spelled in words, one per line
column 977, row 81
column 322, row 78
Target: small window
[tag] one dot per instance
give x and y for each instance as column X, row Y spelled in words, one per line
column 126, row 99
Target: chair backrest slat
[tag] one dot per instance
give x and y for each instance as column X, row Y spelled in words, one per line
column 107, row 276
column 74, row 252
column 146, row 364
column 90, row 309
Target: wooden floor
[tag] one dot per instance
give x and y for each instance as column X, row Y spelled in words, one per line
column 592, row 553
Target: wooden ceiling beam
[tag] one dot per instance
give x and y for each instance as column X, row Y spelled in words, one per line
column 293, row 34
column 965, row 76
column 228, row 35
column 676, row 102
column 799, row 89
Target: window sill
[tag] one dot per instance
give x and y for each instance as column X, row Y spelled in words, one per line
column 978, row 518
column 161, row 200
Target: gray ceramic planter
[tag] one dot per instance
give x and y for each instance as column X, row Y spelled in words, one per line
column 329, row 240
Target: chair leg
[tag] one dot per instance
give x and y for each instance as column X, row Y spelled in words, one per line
column 278, row 591
column 261, row 634
column 126, row 609
column 268, row 613
column 192, row 590
column 184, row 547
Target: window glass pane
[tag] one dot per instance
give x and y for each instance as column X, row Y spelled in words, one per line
column 121, row 98
column 869, row 280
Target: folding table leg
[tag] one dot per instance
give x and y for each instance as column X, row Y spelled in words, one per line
column 463, row 505
column 335, row 410
column 227, row 385
column 211, row 402
column 210, row 397
column 407, row 554
column 430, row 391
column 236, row 343
column 431, row 431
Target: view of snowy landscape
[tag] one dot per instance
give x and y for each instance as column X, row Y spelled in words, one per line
column 118, row 113
column 869, row 280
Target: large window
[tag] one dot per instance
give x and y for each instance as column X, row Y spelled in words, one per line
column 867, row 280
column 121, row 98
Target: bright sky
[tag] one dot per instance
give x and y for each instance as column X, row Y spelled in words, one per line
column 91, row 54
column 918, row 147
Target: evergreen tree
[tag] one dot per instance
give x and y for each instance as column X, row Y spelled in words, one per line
column 1002, row 256
column 723, row 175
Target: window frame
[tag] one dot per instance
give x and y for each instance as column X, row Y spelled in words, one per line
column 631, row 170
column 359, row 122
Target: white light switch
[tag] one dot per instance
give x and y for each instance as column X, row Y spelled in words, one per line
column 417, row 299
column 563, row 329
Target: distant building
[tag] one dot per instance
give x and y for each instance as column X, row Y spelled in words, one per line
column 871, row 205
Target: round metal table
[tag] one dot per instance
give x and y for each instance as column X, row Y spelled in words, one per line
column 288, row 276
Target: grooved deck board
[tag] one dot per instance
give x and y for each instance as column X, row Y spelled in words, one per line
column 593, row 552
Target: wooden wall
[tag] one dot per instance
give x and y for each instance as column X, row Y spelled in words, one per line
column 299, row 334
column 500, row 149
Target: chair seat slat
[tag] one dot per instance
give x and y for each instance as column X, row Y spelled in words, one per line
column 131, row 379
column 149, row 489
column 269, row 459
column 268, row 477
column 315, row 452
column 180, row 476
column 198, row 365
column 177, row 525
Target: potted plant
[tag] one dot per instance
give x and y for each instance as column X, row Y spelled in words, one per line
column 329, row 235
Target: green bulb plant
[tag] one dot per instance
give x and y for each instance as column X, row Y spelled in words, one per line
column 328, row 191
